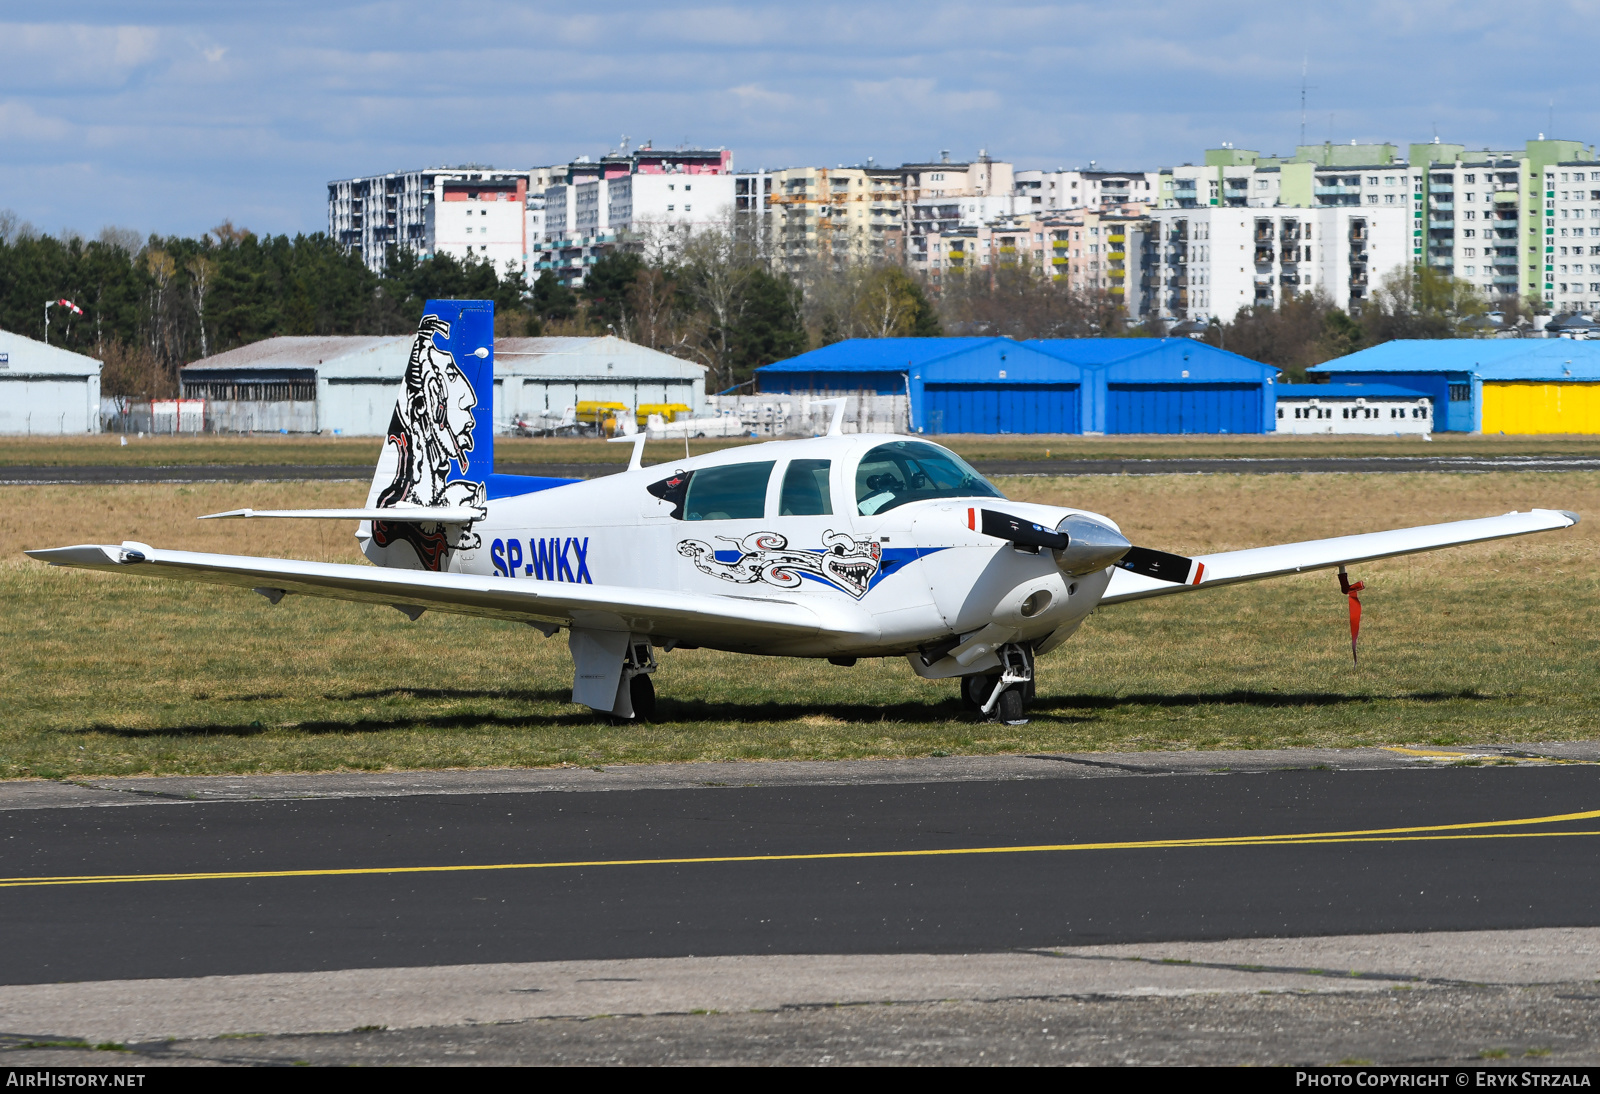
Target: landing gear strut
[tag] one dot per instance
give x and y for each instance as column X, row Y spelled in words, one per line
column 635, row 688
column 1006, row 697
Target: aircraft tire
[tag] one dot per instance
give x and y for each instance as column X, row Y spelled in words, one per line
column 643, row 693
column 975, row 690
column 1009, row 707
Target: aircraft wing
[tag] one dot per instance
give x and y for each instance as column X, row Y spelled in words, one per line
column 1232, row 567
column 602, row 607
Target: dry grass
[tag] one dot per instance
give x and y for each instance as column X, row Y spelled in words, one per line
column 268, row 449
column 114, row 674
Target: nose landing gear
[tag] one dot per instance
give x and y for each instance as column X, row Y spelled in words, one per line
column 1003, row 698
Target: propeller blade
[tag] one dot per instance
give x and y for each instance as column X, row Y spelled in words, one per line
column 1161, row 565
column 1023, row 533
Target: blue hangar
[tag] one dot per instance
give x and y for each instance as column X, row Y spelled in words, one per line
column 1061, row 385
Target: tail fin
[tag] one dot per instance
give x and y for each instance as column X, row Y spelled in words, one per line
column 439, row 448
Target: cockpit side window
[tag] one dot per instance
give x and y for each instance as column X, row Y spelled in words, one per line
column 732, row 492
column 902, row 471
column 805, row 490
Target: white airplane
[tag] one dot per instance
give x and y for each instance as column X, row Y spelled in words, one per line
column 837, row 547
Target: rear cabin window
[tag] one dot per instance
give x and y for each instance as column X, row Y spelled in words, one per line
column 805, row 490
column 901, row 471
column 735, row 492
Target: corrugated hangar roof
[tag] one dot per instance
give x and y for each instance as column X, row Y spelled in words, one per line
column 1489, row 358
column 1129, row 359
column 367, row 356
column 26, row 356
column 878, row 354
column 1345, row 391
column 1134, row 360
column 606, row 355
column 330, row 356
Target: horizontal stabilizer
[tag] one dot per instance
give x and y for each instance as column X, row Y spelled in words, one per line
column 1232, row 567
column 438, row 514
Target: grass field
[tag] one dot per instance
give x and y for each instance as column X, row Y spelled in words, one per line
column 107, row 674
column 107, row 450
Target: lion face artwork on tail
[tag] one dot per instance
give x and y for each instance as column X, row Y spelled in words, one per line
column 431, row 426
column 843, row 561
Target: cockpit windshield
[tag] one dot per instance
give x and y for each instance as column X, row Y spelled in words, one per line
column 901, row 471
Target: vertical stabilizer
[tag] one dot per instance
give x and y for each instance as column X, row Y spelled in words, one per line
column 439, row 448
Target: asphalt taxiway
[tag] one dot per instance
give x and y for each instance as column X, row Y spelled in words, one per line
column 1041, row 852
column 977, row 896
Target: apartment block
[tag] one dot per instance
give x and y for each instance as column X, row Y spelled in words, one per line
column 1209, row 263
column 488, row 216
column 648, row 199
column 1047, row 191
column 1091, row 250
column 864, row 213
column 1572, row 237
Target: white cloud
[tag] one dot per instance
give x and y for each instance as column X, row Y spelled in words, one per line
column 200, row 113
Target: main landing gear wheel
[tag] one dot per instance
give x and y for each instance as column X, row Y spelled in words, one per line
column 976, row 689
column 643, row 694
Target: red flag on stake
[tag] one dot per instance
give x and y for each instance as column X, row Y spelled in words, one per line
column 1355, row 609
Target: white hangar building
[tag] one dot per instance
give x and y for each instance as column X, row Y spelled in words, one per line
column 544, row 376
column 348, row 384
column 46, row 389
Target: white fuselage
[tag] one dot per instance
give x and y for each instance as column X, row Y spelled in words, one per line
column 900, row 580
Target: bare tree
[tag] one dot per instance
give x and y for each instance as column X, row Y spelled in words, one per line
column 14, row 229
column 162, row 267
column 717, row 268
column 200, row 270
column 123, row 239
column 1021, row 303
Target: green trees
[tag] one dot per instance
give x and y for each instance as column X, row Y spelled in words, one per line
column 152, row 306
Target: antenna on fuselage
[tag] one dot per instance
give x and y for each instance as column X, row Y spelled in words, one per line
column 836, row 426
column 636, row 461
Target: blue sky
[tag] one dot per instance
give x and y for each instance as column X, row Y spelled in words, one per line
column 168, row 117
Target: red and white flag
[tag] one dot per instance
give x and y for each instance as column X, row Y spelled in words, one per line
column 69, row 305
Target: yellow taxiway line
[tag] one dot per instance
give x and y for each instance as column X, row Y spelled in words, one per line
column 1422, row 833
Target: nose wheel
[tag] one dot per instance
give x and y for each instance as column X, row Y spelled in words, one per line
column 1003, row 697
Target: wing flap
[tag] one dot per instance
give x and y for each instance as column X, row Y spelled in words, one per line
column 604, row 607
column 1258, row 563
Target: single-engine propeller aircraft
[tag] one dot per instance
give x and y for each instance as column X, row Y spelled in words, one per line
column 840, row 546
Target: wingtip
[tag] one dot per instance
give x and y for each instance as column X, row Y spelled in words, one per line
column 1570, row 515
column 229, row 513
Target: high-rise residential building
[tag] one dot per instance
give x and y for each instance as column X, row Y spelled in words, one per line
column 1207, row 263
column 861, row 213
column 560, row 218
column 1490, row 218
column 490, row 213
column 844, row 215
column 651, row 199
column 1088, row 188
column 1572, row 236
column 1085, row 249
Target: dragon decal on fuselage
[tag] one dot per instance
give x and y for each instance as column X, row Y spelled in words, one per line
column 431, row 426
column 845, row 562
